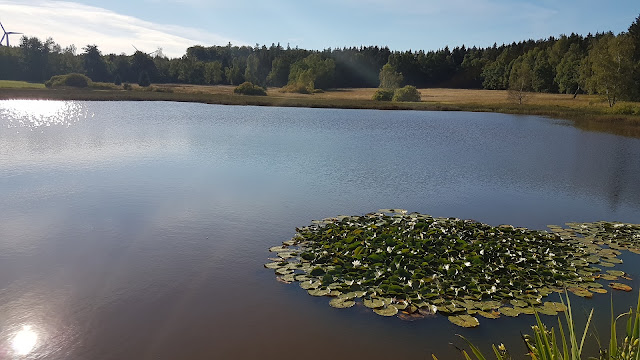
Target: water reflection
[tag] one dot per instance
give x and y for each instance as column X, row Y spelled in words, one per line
column 142, row 233
column 24, row 341
column 34, row 114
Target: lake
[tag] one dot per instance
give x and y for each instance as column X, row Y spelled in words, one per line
column 139, row 230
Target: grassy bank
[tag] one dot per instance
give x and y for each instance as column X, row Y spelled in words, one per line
column 589, row 112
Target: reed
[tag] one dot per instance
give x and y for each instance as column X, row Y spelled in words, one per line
column 545, row 344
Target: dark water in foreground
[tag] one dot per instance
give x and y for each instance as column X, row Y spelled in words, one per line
column 139, row 230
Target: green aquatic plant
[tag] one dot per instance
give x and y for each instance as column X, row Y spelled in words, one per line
column 415, row 264
column 544, row 344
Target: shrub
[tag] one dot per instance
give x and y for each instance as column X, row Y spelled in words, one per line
column 118, row 80
column 298, row 88
column 103, row 86
column 71, row 80
column 247, row 88
column 626, row 109
column 407, row 93
column 144, row 79
column 127, row 86
column 383, row 95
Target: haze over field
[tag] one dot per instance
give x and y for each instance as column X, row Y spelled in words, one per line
column 175, row 25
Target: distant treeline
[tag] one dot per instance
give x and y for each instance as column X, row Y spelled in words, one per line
column 603, row 63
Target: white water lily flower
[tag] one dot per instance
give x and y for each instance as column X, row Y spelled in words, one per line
column 446, row 267
column 494, row 289
column 467, row 263
column 434, row 309
column 410, row 283
column 482, row 252
column 356, row 263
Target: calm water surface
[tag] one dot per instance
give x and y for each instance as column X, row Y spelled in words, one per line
column 136, row 230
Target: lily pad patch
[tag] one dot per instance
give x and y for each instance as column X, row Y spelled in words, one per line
column 393, row 260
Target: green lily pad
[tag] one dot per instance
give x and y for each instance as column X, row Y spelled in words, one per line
column 340, row 303
column 283, row 271
column 273, row 265
column 559, row 307
column 319, row 292
column 519, row 303
column 373, row 303
column 466, row 321
column 546, row 311
column 489, row 315
column 527, row 310
column 608, row 277
column 580, row 292
column 307, row 285
column 390, row 310
column 620, row 286
column 615, row 272
column 508, row 311
column 613, row 260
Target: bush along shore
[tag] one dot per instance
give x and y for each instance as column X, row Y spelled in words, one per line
column 414, row 265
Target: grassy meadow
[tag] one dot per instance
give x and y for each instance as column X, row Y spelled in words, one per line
column 11, row 84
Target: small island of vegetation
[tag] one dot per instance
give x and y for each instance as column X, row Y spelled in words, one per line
column 415, row 265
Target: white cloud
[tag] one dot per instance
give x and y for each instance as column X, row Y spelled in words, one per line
column 72, row 23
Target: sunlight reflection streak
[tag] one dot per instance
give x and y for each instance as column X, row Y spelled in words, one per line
column 38, row 113
column 24, row 341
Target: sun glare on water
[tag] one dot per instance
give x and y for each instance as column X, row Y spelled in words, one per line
column 24, row 341
column 38, row 113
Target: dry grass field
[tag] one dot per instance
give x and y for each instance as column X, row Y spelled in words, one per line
column 435, row 96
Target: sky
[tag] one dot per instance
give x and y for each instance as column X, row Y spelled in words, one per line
column 116, row 26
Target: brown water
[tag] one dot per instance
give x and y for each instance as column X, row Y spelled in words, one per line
column 139, row 230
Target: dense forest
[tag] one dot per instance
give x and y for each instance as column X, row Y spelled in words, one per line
column 603, row 63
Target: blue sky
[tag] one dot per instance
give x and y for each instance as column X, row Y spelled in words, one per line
column 401, row 24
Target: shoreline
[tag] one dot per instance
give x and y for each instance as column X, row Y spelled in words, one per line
column 591, row 118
